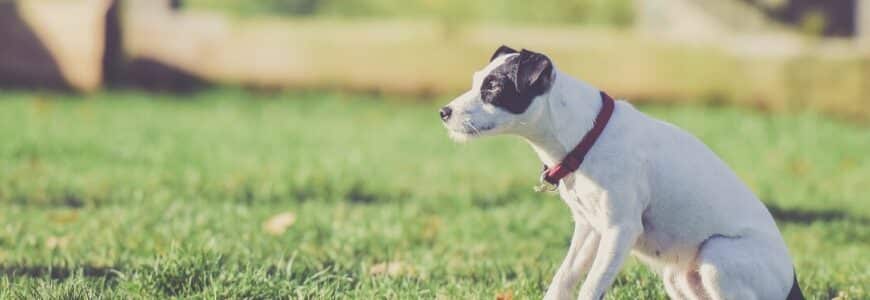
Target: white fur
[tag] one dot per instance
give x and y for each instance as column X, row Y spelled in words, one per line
column 646, row 188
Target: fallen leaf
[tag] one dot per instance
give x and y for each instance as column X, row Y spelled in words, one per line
column 392, row 268
column 431, row 227
column 64, row 217
column 505, row 295
column 55, row 242
column 278, row 224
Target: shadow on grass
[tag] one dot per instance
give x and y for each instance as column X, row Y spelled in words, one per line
column 805, row 216
column 59, row 272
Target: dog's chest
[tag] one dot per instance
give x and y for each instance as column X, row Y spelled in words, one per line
column 586, row 200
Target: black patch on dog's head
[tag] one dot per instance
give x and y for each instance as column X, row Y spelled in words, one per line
column 514, row 84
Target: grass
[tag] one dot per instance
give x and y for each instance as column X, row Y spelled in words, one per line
column 128, row 195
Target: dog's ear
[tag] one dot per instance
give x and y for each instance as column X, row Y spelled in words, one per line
column 502, row 51
column 533, row 72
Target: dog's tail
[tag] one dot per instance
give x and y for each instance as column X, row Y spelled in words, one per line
column 795, row 293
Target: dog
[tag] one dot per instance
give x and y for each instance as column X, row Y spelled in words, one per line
column 641, row 186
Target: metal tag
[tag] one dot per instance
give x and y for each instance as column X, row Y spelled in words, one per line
column 543, row 186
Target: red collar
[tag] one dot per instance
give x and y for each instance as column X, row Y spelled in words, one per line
column 574, row 158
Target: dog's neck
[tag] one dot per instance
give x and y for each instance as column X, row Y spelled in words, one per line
column 568, row 113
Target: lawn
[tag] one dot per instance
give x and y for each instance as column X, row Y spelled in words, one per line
column 129, row 195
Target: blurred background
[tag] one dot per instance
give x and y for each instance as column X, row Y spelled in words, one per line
column 290, row 148
column 769, row 54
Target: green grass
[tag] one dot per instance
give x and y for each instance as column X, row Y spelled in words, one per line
column 128, row 195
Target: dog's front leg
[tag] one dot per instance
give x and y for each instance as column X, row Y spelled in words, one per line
column 584, row 243
column 613, row 248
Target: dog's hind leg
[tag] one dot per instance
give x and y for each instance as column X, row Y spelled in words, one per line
column 744, row 268
column 684, row 283
column 672, row 277
column 693, row 286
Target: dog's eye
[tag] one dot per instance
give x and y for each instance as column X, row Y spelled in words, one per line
column 490, row 86
column 489, row 90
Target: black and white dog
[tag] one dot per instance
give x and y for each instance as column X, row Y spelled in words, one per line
column 645, row 187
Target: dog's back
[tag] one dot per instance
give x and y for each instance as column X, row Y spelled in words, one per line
column 686, row 179
column 693, row 195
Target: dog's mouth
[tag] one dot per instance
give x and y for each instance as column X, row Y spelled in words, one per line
column 468, row 130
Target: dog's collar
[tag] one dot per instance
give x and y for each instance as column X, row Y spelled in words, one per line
column 550, row 177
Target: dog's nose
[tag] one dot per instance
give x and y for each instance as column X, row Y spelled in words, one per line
column 445, row 113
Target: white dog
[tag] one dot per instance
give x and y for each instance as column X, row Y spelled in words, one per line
column 645, row 187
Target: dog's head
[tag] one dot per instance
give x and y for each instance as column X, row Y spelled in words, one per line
column 504, row 96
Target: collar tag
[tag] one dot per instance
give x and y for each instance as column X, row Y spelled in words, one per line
column 543, row 186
